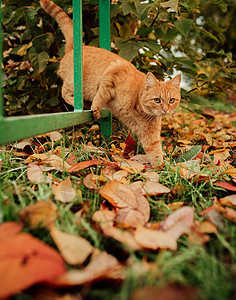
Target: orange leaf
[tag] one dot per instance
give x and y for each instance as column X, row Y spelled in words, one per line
column 84, row 164
column 226, row 185
column 24, row 261
column 10, row 229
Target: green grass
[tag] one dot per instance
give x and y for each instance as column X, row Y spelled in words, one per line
column 210, row 269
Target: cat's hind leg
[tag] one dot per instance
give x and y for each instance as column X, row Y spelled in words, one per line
column 104, row 94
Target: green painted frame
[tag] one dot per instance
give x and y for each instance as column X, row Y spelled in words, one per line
column 16, row 128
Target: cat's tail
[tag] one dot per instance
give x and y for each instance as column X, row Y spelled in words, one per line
column 65, row 23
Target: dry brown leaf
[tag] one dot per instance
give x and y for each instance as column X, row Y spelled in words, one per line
column 64, row 191
column 231, row 171
column 152, row 176
column 39, row 214
column 142, row 159
column 221, row 156
column 131, row 166
column 122, row 236
column 229, row 200
column 54, row 135
column 133, row 206
column 90, row 181
column 179, row 222
column 150, row 188
column 35, row 173
column 207, row 227
column 105, row 217
column 57, row 162
column 230, row 214
column 23, row 143
column 74, row 249
column 154, row 239
column 102, row 265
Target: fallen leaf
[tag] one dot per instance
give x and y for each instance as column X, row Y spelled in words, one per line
column 226, row 185
column 57, row 162
column 84, row 164
column 54, row 135
column 175, row 205
column 150, row 188
column 22, row 144
column 10, row 229
column 24, row 261
column 40, row 214
column 130, row 146
column 104, row 217
column 131, row 166
column 230, row 214
column 35, row 173
column 102, row 266
column 207, row 227
column 168, row 292
column 64, row 191
column 221, row 156
column 122, row 236
column 90, row 181
column 229, row 200
column 151, row 175
column 154, row 239
column 74, row 249
column 179, row 222
column 133, row 206
column 142, row 159
column 231, row 171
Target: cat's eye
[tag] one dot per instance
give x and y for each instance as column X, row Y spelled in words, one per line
column 157, row 100
column 172, row 100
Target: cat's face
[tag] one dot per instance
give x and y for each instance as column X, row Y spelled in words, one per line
column 160, row 98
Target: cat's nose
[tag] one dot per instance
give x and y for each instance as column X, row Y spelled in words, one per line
column 164, row 110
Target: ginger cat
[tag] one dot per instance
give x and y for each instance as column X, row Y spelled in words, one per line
column 111, row 82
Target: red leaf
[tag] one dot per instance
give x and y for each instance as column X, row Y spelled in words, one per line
column 130, row 146
column 24, row 261
column 226, row 185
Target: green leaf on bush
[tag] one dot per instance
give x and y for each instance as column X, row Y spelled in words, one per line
column 184, row 26
column 130, row 49
column 39, row 61
column 173, row 4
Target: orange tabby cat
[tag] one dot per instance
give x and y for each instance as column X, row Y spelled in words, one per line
column 111, row 82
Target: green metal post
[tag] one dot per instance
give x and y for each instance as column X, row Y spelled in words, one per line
column 78, row 55
column 105, row 42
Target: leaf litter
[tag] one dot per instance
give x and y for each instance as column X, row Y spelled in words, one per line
column 130, row 194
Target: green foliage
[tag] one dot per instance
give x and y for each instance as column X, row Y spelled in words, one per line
column 196, row 38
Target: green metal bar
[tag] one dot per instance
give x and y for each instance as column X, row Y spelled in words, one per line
column 105, row 42
column 17, row 128
column 78, row 54
column 1, row 98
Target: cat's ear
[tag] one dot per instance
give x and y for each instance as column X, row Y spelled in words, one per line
column 176, row 81
column 150, row 81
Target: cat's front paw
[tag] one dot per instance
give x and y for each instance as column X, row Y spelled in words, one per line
column 96, row 112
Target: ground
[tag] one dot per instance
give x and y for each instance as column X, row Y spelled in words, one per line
column 97, row 222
